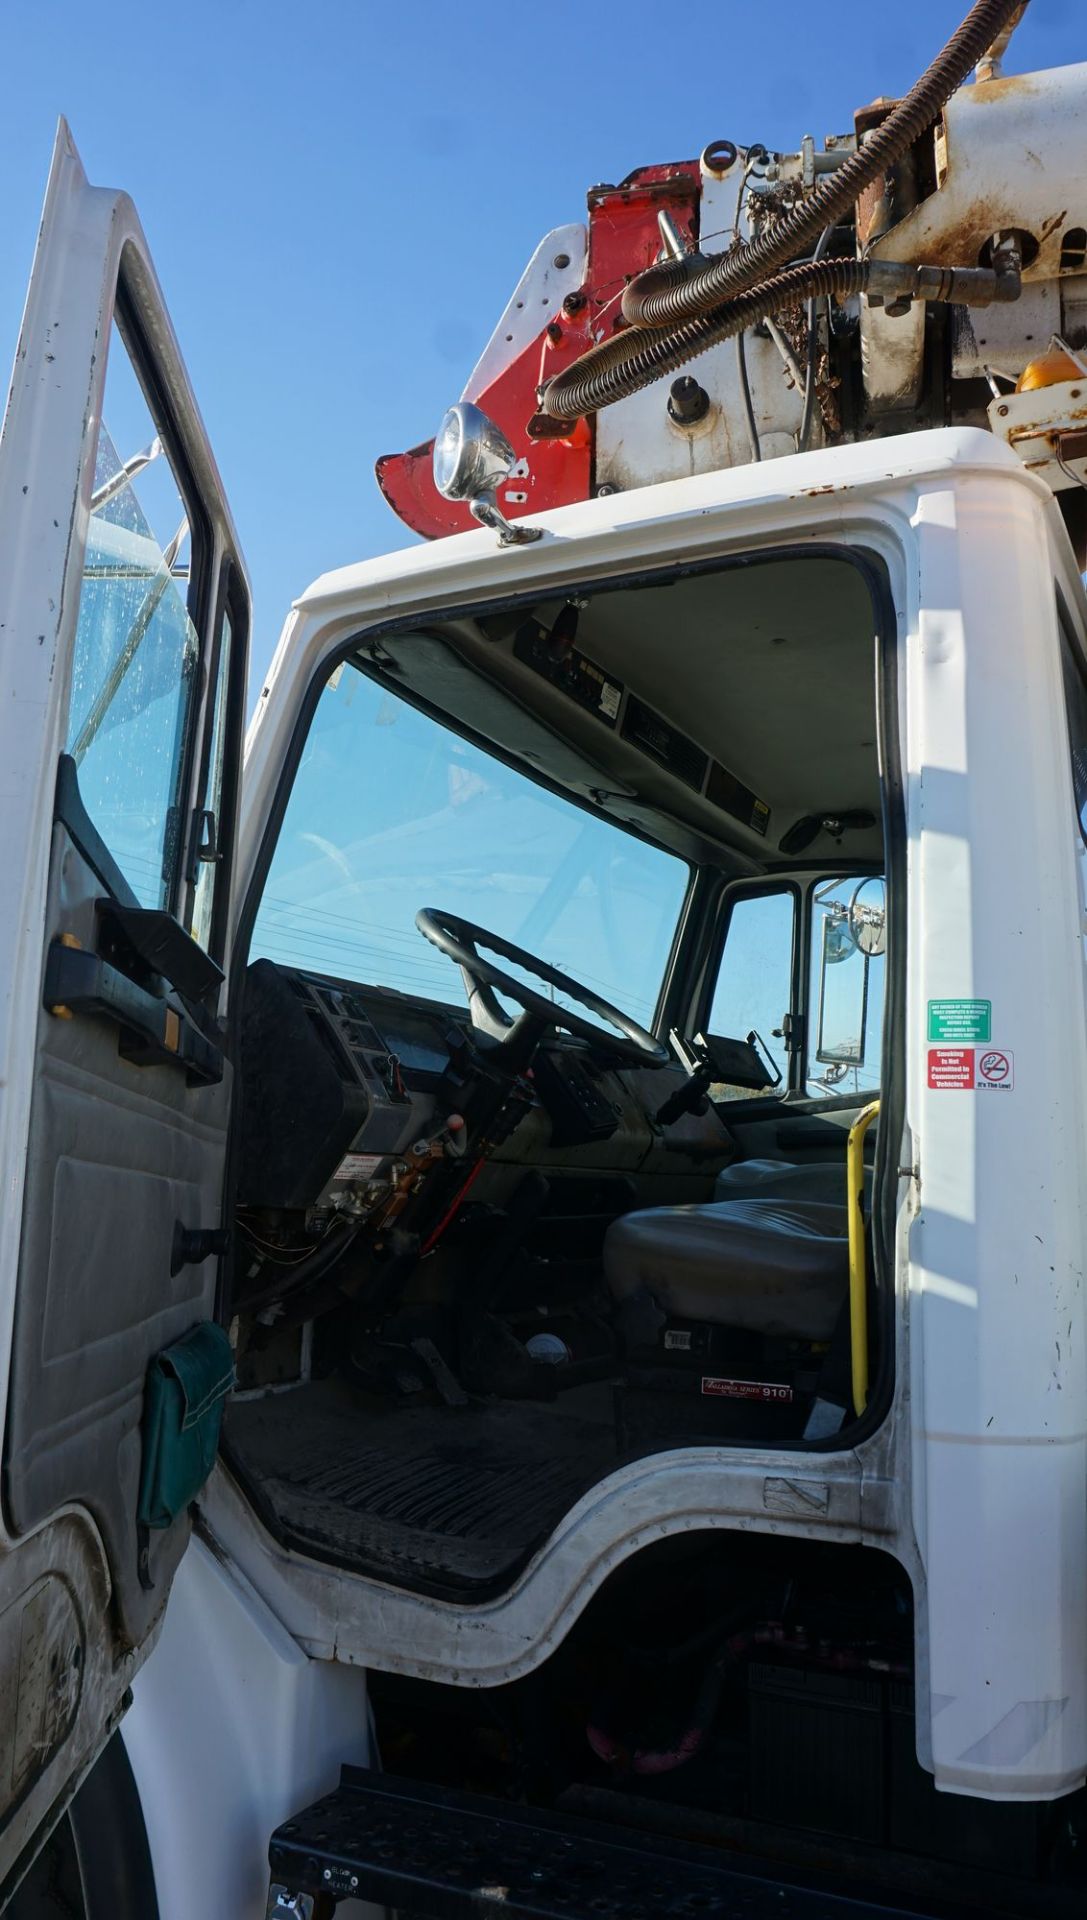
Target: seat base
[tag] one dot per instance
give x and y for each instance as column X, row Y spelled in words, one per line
column 777, row 1267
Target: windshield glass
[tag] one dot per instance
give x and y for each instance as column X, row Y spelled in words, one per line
column 391, row 811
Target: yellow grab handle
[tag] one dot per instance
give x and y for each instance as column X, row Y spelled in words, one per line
column 858, row 1259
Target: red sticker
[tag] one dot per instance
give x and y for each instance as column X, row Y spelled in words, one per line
column 951, row 1069
column 746, row 1389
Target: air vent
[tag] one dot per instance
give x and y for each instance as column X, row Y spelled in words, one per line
column 664, row 743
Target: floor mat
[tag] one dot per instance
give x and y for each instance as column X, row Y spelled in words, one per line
column 452, row 1500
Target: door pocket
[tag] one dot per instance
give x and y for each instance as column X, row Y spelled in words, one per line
column 187, row 1385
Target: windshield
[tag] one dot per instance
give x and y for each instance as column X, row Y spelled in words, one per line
column 391, row 811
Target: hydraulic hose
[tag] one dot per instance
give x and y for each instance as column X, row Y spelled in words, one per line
column 636, row 356
column 678, row 290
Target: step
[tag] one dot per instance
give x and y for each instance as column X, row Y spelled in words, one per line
column 438, row 1855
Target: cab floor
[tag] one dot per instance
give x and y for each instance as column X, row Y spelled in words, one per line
column 446, row 1500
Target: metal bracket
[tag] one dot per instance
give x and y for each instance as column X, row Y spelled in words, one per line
column 487, row 511
column 283, row 1905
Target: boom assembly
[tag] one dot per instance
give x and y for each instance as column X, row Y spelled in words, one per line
column 927, row 268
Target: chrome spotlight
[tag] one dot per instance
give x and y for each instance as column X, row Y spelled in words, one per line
column 471, row 458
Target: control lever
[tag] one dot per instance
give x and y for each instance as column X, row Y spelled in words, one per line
column 689, row 1098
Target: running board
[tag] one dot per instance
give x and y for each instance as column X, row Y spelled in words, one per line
column 438, row 1855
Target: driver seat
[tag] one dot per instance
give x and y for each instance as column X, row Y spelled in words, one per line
column 777, row 1266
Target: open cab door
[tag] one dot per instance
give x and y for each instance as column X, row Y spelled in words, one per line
column 124, row 615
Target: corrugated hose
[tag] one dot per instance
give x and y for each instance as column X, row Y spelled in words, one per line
column 639, row 355
column 679, row 308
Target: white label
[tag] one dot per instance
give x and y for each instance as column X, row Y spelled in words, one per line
column 609, row 699
column 996, row 1070
column 677, row 1342
column 358, row 1166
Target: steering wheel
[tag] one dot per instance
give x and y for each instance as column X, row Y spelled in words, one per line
column 460, row 941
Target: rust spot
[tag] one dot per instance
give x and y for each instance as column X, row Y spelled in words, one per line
column 1051, row 226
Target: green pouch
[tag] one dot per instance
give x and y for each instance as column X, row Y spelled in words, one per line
column 183, row 1411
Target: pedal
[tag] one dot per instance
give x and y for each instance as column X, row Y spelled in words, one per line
column 442, row 1375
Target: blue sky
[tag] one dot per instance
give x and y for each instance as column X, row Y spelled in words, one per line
column 340, row 197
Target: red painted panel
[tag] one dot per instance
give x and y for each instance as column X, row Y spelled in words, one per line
column 623, row 238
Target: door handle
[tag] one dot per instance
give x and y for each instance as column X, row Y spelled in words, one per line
column 153, row 1033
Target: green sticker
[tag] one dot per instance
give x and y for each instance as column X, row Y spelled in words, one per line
column 960, row 1021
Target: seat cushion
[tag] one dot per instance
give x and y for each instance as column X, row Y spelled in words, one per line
column 771, row 1266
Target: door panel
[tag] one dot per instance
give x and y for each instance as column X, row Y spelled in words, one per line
column 117, row 1155
column 118, row 571
column 806, row 1139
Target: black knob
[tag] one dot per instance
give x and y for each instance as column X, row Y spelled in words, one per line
column 687, row 402
column 193, row 1245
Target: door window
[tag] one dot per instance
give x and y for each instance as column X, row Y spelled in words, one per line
column 755, row 979
column 846, row 985
column 135, row 668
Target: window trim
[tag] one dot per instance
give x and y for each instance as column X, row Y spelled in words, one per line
column 127, row 324
column 889, row 633
column 865, row 869
column 231, row 602
column 729, row 897
column 1072, row 661
column 696, row 1012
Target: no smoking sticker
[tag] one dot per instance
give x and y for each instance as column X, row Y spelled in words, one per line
column 971, row 1070
column 996, row 1070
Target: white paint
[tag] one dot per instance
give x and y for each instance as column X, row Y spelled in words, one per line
column 999, row 1372
column 536, row 299
column 971, row 543
column 232, row 1729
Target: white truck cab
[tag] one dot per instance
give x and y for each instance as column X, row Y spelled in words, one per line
column 542, row 1252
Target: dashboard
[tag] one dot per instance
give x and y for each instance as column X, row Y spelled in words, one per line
column 350, row 1095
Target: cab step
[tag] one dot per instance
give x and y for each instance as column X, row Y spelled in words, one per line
column 439, row 1855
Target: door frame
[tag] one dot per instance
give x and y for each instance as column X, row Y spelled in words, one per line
column 92, row 258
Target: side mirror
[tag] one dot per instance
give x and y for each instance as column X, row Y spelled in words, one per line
column 843, row 996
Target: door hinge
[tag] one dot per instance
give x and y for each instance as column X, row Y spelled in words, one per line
column 791, row 1031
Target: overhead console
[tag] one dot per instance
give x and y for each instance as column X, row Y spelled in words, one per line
column 550, row 652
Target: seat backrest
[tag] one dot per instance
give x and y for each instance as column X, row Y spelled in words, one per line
column 822, row 1180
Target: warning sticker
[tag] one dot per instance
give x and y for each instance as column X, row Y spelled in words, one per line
column 773, row 1390
column 996, row 1070
column 960, row 1021
column 951, row 1069
column 358, row 1166
column 610, row 697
